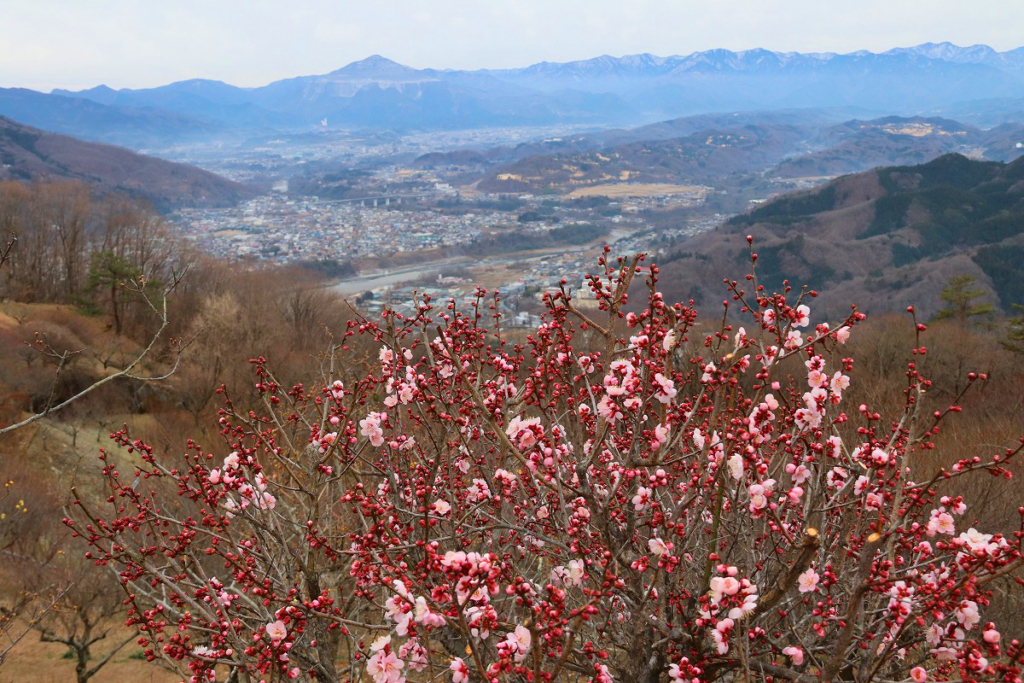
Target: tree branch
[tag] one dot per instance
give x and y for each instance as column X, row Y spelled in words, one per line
column 808, row 548
column 124, row 372
column 100, row 664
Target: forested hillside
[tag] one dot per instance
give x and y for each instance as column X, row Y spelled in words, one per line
column 28, row 153
column 887, row 238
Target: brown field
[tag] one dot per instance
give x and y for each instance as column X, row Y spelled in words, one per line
column 34, row 662
column 614, row 190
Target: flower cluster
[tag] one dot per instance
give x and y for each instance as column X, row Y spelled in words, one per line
column 728, row 601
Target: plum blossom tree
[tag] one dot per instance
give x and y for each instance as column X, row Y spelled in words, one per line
column 632, row 499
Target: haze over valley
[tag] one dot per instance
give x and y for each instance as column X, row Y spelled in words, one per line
column 377, row 165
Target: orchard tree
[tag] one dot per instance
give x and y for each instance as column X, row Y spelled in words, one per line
column 622, row 495
column 27, row 553
column 83, row 614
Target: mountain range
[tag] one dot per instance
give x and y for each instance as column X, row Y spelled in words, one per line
column 135, row 127
column 632, row 90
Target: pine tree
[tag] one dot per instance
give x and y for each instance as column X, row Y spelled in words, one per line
column 962, row 303
column 1015, row 331
column 120, row 279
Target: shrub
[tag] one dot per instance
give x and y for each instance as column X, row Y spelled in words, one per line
column 656, row 505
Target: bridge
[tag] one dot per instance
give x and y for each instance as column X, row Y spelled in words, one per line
column 384, row 199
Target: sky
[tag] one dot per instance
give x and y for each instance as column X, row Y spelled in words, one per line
column 142, row 43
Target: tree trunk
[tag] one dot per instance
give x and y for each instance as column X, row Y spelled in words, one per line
column 82, row 666
column 646, row 663
column 114, row 309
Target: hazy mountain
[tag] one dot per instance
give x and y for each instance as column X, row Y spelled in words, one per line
column 93, row 119
column 901, row 80
column 703, row 157
column 985, row 113
column 688, row 125
column 634, row 89
column 374, row 92
column 706, row 149
column 904, row 84
column 974, row 54
column 214, row 102
column 810, row 119
column 1005, row 142
column 882, row 239
column 858, row 145
column 28, row 153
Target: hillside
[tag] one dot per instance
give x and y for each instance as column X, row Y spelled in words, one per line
column 31, row 154
column 883, row 239
column 700, row 157
column 796, row 144
column 857, row 145
column 568, row 146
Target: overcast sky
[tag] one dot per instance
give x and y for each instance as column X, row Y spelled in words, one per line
column 139, row 43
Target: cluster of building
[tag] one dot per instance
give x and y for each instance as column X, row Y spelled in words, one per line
column 400, row 210
column 289, row 229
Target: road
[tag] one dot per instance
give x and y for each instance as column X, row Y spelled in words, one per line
column 382, row 278
column 392, row 276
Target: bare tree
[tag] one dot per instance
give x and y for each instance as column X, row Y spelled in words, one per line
column 24, row 547
column 5, row 253
column 83, row 616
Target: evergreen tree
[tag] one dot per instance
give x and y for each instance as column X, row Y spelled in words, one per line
column 962, row 301
column 1015, row 331
column 120, row 279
